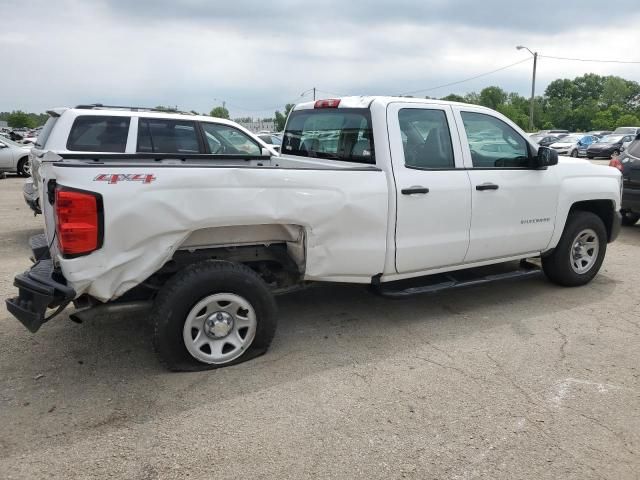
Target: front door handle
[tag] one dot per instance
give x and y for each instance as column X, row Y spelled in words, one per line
column 414, row 190
column 487, row 186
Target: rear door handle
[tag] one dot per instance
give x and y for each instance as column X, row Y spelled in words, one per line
column 414, row 190
column 487, row 186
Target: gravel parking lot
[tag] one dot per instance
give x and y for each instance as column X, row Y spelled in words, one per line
column 513, row 380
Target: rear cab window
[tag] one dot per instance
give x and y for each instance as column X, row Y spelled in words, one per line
column 97, row 133
column 333, row 133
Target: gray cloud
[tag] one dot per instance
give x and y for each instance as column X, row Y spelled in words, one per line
column 258, row 55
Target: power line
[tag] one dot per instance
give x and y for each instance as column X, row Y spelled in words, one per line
column 590, row 60
column 468, row 79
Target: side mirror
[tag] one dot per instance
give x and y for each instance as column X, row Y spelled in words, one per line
column 546, row 157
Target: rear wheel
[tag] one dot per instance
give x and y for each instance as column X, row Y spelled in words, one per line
column 580, row 251
column 213, row 314
column 629, row 219
column 24, row 167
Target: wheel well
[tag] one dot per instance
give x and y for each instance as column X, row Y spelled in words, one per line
column 271, row 262
column 602, row 208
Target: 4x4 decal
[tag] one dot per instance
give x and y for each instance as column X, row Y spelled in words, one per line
column 125, row 177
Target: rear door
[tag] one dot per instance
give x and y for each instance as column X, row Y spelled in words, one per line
column 433, row 196
column 514, row 206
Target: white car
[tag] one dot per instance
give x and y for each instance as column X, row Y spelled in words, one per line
column 571, row 144
column 99, row 129
column 14, row 157
column 368, row 190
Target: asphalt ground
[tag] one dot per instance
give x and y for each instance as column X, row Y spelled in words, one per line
column 511, row 380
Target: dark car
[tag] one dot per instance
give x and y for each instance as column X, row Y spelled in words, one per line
column 545, row 140
column 600, row 133
column 610, row 145
column 629, row 164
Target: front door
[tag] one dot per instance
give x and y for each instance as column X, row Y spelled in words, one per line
column 433, row 197
column 514, row 206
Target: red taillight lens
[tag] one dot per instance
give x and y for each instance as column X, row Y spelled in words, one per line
column 327, row 103
column 615, row 163
column 78, row 221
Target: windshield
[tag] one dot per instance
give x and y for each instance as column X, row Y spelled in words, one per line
column 337, row 133
column 611, row 139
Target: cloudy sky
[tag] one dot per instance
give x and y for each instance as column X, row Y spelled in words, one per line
column 259, row 55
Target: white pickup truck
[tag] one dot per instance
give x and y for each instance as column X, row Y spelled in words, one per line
column 404, row 195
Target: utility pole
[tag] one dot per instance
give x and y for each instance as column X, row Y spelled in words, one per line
column 533, row 84
column 314, row 94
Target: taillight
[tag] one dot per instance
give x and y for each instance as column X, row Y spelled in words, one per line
column 615, row 163
column 327, row 103
column 78, row 221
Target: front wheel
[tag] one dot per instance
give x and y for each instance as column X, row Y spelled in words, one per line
column 629, row 219
column 213, row 314
column 580, row 251
column 574, row 153
column 24, row 167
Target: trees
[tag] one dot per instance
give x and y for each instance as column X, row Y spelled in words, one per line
column 20, row 119
column 492, row 97
column 220, row 112
column 281, row 118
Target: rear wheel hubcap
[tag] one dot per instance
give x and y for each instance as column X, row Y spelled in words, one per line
column 219, row 328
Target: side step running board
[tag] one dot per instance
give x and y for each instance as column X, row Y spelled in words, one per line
column 457, row 279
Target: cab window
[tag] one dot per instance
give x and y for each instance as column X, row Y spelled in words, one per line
column 426, row 140
column 493, row 143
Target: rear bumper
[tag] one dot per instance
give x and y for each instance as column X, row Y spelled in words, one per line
column 631, row 200
column 40, row 288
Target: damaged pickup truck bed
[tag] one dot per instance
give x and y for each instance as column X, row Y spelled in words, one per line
column 372, row 190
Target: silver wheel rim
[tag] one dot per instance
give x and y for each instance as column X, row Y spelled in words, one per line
column 219, row 328
column 584, row 251
column 27, row 167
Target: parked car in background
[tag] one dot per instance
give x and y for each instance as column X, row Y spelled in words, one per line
column 585, row 142
column 609, row 145
column 545, row 140
column 570, row 144
column 629, row 165
column 100, row 129
column 627, row 131
column 14, row 158
column 273, row 139
column 600, row 133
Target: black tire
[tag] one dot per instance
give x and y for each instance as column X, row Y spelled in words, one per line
column 590, row 157
column 574, row 153
column 629, row 219
column 193, row 284
column 558, row 266
column 22, row 164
